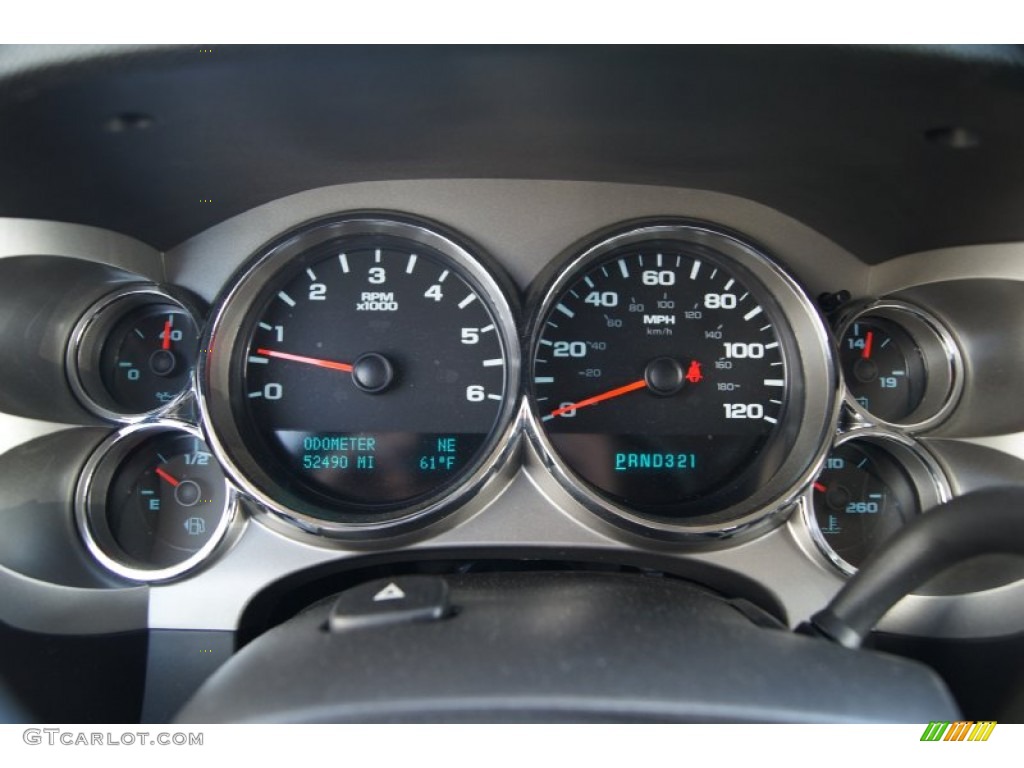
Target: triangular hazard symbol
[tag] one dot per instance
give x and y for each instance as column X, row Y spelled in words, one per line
column 391, row 592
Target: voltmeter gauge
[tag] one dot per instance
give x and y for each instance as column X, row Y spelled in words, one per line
column 153, row 502
column 901, row 366
column 133, row 354
column 885, row 370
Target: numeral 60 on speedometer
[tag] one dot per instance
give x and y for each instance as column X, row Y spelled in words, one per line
column 679, row 382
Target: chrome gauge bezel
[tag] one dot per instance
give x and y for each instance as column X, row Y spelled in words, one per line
column 811, row 361
column 215, row 373
column 90, row 334
column 930, row 484
column 91, row 498
column 941, row 355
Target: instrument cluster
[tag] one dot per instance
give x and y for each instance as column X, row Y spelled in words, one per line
column 364, row 375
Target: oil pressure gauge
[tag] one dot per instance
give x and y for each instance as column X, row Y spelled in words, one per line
column 132, row 355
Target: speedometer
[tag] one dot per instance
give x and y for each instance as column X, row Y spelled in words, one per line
column 680, row 382
column 363, row 375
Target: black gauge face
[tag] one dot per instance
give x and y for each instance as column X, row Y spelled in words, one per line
column 166, row 501
column 371, row 375
column 148, row 357
column 861, row 499
column 660, row 379
column 883, row 367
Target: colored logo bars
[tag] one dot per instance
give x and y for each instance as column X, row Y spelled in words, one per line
column 959, row 731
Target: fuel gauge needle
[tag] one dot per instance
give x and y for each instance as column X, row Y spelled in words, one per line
column 164, row 475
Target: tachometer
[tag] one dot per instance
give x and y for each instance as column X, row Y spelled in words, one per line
column 364, row 374
column 679, row 382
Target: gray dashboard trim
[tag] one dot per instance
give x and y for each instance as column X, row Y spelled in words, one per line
column 522, row 224
column 37, row 606
column 29, row 237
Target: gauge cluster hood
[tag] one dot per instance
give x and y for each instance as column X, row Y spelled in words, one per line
column 453, row 263
column 162, row 142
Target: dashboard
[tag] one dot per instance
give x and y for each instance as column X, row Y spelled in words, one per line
column 579, row 344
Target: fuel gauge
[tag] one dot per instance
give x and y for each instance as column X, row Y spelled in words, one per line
column 154, row 502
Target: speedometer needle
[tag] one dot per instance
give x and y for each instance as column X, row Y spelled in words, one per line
column 334, row 365
column 618, row 391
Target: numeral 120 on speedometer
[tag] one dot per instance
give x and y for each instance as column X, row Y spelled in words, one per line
column 666, row 378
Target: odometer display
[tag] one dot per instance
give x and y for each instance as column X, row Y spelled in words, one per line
column 663, row 377
column 371, row 374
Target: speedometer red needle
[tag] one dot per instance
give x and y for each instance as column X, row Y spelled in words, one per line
column 819, row 487
column 167, row 334
column 334, row 365
column 168, row 477
column 640, row 384
column 867, row 345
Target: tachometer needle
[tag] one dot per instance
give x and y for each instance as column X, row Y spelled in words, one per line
column 618, row 391
column 167, row 334
column 820, row 488
column 332, row 364
column 868, row 338
column 163, row 474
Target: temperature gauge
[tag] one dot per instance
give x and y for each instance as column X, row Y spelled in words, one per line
column 872, row 485
column 154, row 502
column 133, row 354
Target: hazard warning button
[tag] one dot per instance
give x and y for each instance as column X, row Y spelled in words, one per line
column 388, row 601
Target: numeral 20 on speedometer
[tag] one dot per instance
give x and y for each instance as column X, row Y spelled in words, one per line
column 667, row 379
